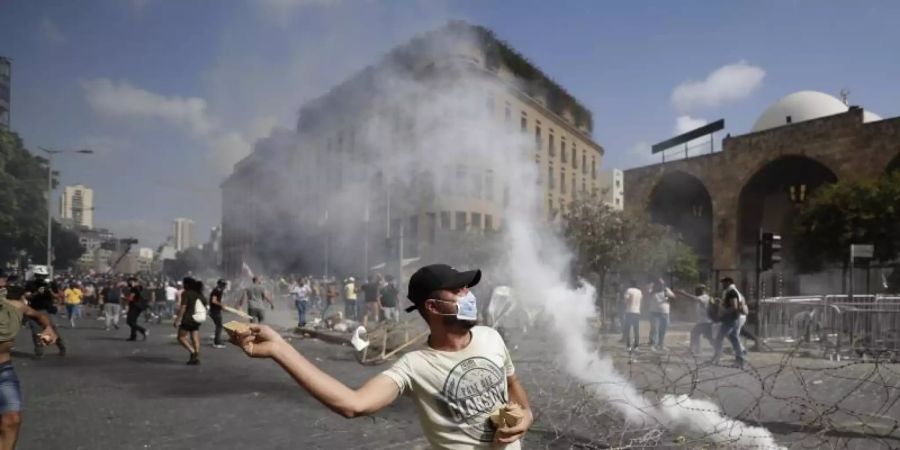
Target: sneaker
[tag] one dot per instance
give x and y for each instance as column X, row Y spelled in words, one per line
column 144, row 335
column 218, row 346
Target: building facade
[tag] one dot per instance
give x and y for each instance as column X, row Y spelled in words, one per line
column 5, row 92
column 761, row 180
column 358, row 186
column 183, row 233
column 612, row 188
column 76, row 206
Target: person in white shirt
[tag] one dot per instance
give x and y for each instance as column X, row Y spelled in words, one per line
column 659, row 314
column 632, row 316
column 300, row 292
column 704, row 326
column 462, row 376
column 171, row 298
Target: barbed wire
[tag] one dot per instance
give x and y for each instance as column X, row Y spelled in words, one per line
column 805, row 402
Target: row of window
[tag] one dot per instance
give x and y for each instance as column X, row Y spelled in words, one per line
column 568, row 152
column 466, row 221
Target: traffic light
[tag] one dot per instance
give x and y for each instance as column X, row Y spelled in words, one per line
column 771, row 250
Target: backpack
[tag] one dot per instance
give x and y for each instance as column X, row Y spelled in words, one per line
column 200, row 311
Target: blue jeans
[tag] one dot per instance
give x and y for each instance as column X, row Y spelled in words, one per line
column 302, row 306
column 631, row 322
column 10, row 390
column 731, row 330
column 659, row 324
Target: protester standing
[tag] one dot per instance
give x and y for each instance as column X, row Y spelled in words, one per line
column 216, row 297
column 371, row 292
column 350, row 295
column 733, row 306
column 111, row 296
column 389, row 294
column 300, row 292
column 40, row 296
column 134, row 296
column 631, row 318
column 255, row 295
column 188, row 327
column 704, row 325
column 73, row 297
column 659, row 314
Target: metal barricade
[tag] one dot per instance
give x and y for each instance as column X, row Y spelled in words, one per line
column 863, row 324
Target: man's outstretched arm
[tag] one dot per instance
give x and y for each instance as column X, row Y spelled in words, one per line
column 375, row 394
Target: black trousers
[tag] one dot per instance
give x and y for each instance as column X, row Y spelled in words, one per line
column 216, row 316
column 134, row 313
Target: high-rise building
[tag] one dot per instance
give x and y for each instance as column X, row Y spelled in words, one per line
column 5, row 90
column 384, row 124
column 76, row 206
column 183, row 232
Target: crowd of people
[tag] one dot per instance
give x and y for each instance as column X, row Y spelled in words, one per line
column 716, row 319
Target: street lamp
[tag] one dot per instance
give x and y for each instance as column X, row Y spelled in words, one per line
column 50, row 153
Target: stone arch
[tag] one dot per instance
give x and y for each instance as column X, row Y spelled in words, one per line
column 893, row 165
column 770, row 199
column 682, row 201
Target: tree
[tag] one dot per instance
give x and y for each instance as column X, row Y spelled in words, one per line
column 23, row 219
column 845, row 213
column 607, row 241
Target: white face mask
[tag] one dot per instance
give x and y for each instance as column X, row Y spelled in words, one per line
column 466, row 307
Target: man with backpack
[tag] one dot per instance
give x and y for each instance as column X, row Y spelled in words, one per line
column 732, row 308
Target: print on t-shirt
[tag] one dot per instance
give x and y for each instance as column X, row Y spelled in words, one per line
column 472, row 390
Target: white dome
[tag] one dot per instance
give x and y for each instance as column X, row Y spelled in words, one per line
column 799, row 106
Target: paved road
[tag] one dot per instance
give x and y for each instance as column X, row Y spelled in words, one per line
column 112, row 394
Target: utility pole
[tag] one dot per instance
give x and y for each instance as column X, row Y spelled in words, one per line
column 50, row 153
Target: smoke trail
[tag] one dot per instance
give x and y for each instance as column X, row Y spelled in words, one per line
column 424, row 119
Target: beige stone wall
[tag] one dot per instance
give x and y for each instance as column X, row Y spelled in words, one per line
column 851, row 149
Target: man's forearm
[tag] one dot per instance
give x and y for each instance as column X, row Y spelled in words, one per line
column 325, row 388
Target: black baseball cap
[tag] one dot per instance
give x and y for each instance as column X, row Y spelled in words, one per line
column 437, row 277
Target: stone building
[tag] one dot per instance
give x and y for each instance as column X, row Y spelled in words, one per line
column 720, row 201
column 349, row 188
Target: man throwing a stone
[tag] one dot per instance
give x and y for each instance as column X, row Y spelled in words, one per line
column 462, row 376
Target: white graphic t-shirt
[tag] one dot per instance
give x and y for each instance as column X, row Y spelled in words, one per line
column 455, row 392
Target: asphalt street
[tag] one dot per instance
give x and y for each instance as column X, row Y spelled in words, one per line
column 111, row 394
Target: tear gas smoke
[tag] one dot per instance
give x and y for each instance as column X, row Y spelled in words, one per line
column 414, row 131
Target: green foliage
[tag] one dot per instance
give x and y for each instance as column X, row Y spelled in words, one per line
column 607, row 241
column 841, row 214
column 23, row 216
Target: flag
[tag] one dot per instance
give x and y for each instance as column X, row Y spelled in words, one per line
column 246, row 269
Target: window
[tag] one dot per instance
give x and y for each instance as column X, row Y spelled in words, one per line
column 583, row 163
column 477, row 184
column 488, row 222
column 550, row 207
column 551, row 146
column 445, row 220
column 461, row 174
column 574, row 156
column 594, row 167
column 583, row 185
column 507, row 112
column 489, row 185
column 461, row 221
column 537, row 136
column 523, row 122
column 476, row 221
column 562, row 182
column 574, row 192
column 562, row 149
column 446, row 181
column 431, row 226
column 618, row 182
column 550, row 181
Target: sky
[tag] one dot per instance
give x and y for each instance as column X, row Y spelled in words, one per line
column 170, row 94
